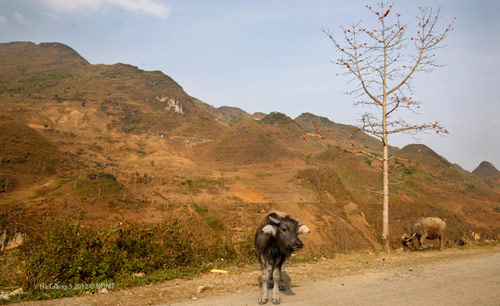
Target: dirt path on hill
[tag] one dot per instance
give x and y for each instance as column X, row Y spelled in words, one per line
column 452, row 277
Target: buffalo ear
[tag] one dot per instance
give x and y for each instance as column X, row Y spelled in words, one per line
column 269, row 229
column 303, row 229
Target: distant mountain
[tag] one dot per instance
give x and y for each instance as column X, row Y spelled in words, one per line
column 341, row 134
column 424, row 154
column 258, row 115
column 231, row 115
column 120, row 96
column 486, row 170
column 290, row 133
column 27, row 60
column 117, row 142
column 246, row 142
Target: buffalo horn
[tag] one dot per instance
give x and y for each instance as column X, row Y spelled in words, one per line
column 274, row 220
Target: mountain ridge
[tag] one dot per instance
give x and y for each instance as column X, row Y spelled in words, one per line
column 142, row 149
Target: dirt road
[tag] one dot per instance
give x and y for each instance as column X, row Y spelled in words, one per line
column 452, row 277
column 466, row 281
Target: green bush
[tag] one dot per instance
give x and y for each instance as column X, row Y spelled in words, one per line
column 64, row 252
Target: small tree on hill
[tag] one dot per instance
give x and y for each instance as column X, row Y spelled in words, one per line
column 382, row 62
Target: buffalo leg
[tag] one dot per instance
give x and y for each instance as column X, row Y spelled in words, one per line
column 270, row 280
column 421, row 241
column 282, row 281
column 265, row 277
column 442, row 241
column 276, row 268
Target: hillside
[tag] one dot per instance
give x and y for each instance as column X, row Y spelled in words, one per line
column 51, row 58
column 113, row 143
column 28, row 160
column 487, row 172
column 231, row 115
column 290, row 133
column 340, row 134
column 247, row 142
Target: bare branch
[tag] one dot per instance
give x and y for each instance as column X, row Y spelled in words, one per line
column 380, row 63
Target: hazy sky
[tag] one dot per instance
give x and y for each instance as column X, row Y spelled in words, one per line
column 272, row 56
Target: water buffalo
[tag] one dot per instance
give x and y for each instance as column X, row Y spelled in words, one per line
column 276, row 239
column 426, row 228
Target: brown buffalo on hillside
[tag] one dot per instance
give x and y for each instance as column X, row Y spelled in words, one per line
column 426, row 228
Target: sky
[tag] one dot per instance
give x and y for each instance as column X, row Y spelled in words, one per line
column 264, row 56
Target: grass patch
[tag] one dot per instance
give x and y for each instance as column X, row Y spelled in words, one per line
column 63, row 252
column 325, row 180
column 97, row 184
column 197, row 184
column 25, row 150
column 50, row 76
column 266, row 139
column 199, row 209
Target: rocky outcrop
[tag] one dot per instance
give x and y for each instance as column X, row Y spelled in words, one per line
column 8, row 241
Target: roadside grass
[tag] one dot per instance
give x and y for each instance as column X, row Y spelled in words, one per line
column 243, row 274
column 67, row 253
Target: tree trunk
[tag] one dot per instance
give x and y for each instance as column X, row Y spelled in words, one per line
column 385, row 210
column 385, row 161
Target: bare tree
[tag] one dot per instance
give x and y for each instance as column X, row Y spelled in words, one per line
column 382, row 63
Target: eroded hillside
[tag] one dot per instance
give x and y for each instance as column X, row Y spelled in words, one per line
column 120, row 143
